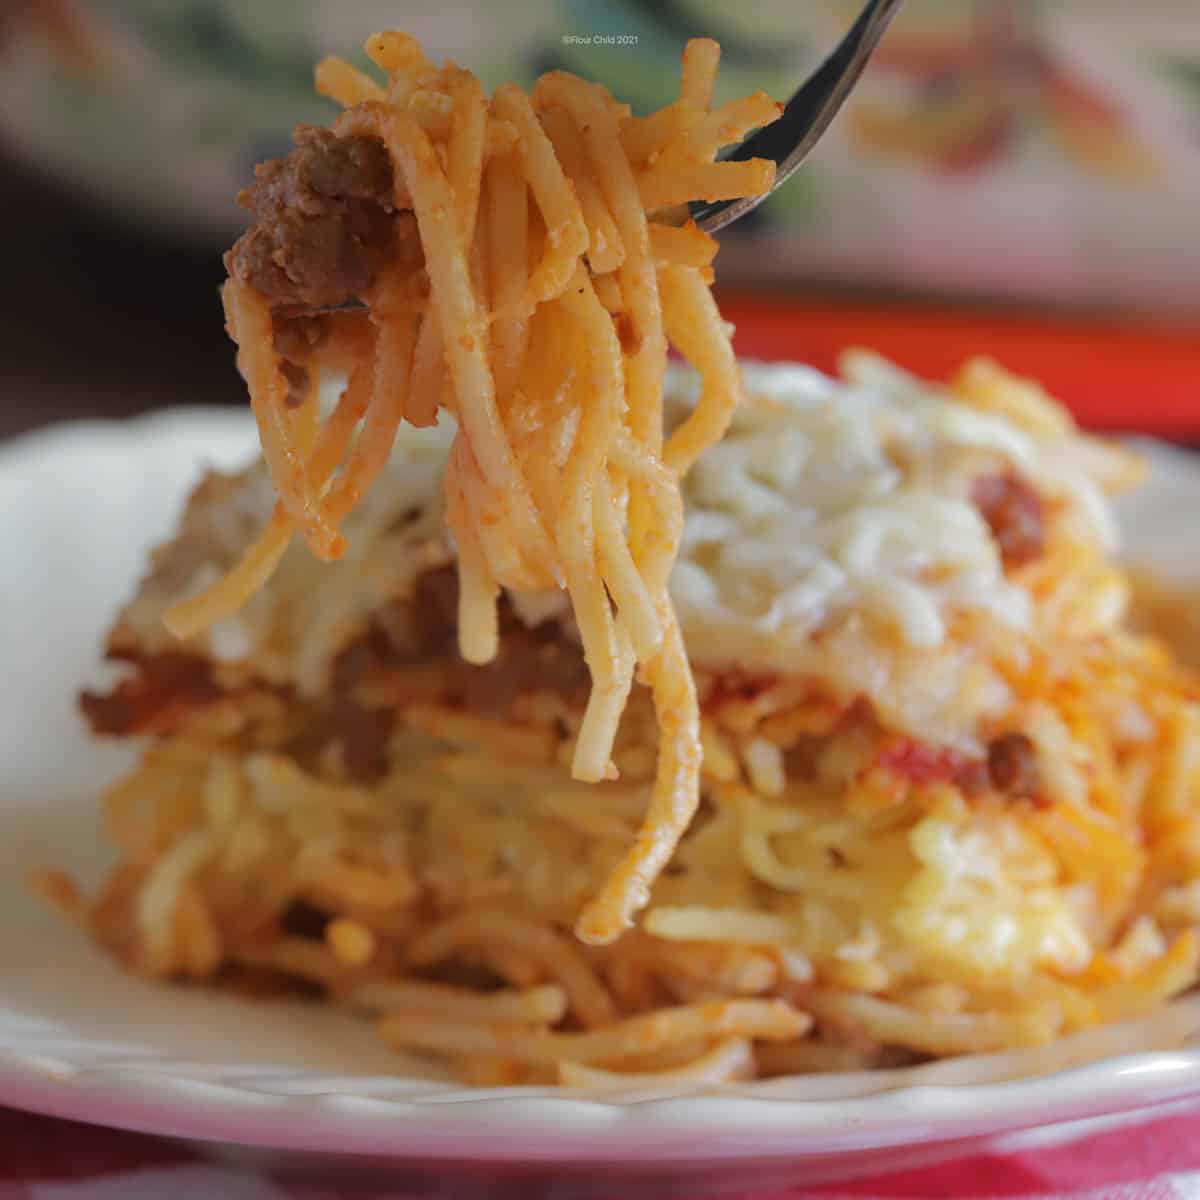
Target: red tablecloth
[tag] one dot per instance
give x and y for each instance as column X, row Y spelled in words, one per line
column 1150, row 1159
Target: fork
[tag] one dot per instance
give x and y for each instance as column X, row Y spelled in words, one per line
column 787, row 140
column 806, row 115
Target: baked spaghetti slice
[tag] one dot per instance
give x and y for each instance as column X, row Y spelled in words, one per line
column 948, row 799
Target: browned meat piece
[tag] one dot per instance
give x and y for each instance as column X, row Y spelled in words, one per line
column 362, row 734
column 421, row 632
column 424, row 630
column 1012, row 765
column 323, row 221
column 1015, row 515
column 538, row 659
column 164, row 687
column 407, row 655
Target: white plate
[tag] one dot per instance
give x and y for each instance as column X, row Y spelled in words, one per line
column 79, row 506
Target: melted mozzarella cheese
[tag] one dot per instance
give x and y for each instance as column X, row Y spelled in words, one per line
column 831, row 534
column 825, row 501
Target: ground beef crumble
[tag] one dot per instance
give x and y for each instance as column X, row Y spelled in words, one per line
column 1015, row 514
column 1012, row 766
column 323, row 221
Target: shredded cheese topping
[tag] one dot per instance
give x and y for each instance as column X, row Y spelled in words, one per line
column 831, row 534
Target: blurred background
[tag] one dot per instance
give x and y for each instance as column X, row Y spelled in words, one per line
column 1015, row 176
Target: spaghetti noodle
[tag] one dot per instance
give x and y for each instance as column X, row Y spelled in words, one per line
column 550, row 280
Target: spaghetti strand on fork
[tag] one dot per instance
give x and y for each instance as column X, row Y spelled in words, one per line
column 541, row 218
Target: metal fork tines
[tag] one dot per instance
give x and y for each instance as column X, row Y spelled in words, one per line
column 807, row 114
